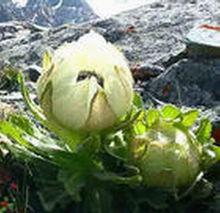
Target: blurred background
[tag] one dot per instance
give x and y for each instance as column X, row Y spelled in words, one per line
column 52, row 13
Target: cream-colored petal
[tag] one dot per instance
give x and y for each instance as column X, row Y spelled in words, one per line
column 119, row 93
column 71, row 104
column 101, row 115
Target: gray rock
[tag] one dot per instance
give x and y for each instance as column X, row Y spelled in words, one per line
column 33, row 72
column 150, row 36
column 46, row 12
column 190, row 82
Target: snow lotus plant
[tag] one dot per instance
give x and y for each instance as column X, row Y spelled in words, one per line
column 166, row 147
column 86, row 88
column 85, row 85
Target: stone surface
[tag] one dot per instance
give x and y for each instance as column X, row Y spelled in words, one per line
column 48, row 13
column 190, row 82
column 152, row 39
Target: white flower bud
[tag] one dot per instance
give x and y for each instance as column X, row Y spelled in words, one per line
column 86, row 85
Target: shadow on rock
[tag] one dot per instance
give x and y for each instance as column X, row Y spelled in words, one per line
column 190, row 82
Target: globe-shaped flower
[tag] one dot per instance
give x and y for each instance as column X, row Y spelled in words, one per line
column 167, row 157
column 86, row 85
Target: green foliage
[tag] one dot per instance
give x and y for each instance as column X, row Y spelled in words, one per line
column 153, row 116
column 170, row 112
column 204, row 131
column 189, row 118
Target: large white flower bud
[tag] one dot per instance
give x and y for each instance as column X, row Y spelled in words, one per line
column 86, row 85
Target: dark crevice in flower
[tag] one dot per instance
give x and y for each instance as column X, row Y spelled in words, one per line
column 88, row 74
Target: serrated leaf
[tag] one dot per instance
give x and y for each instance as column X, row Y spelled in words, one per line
column 133, row 116
column 50, row 196
column 189, row 118
column 204, row 131
column 50, row 191
column 137, row 100
column 139, row 126
column 153, row 116
column 73, row 182
column 170, row 112
column 76, row 169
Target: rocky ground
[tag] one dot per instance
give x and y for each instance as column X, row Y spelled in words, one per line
column 153, row 40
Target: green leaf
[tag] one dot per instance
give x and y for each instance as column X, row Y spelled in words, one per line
column 73, row 182
column 90, row 145
column 111, row 177
column 137, row 100
column 10, row 131
column 22, row 122
column 202, row 190
column 139, row 128
column 128, row 122
column 50, row 191
column 216, row 150
column 24, row 143
column 34, row 109
column 204, row 131
column 52, row 195
column 189, row 118
column 75, row 170
column 153, row 116
column 100, row 203
column 139, row 125
column 117, row 147
column 170, row 112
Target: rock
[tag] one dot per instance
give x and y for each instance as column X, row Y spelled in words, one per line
column 190, row 82
column 47, row 13
column 5, row 110
column 204, row 40
column 152, row 36
column 145, row 72
column 33, row 72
